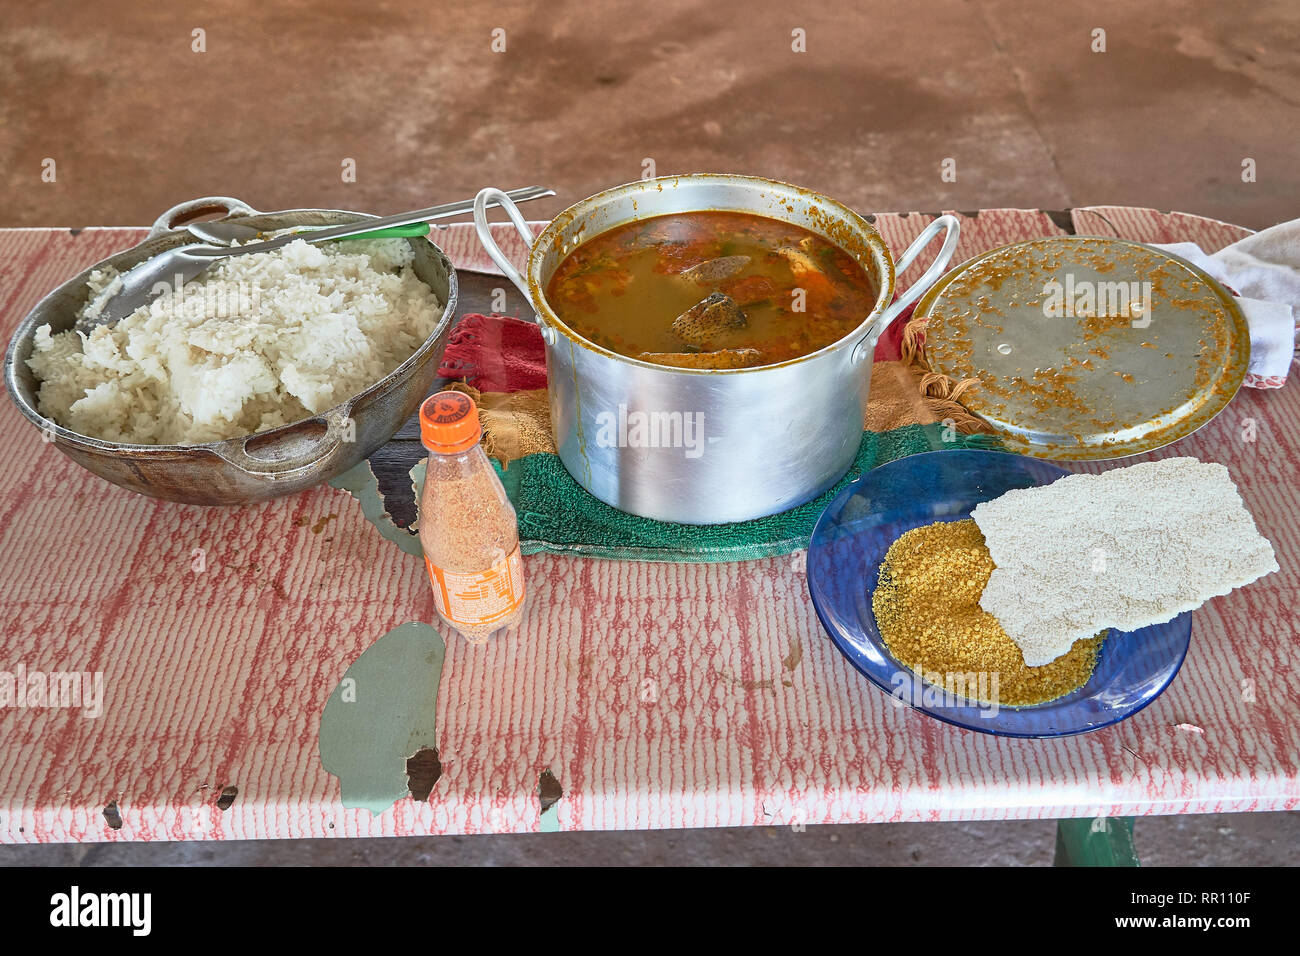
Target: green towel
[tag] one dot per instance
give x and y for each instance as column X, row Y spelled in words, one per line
column 557, row 516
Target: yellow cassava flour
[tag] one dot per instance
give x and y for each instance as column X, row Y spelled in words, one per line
column 259, row 340
column 1124, row 549
column 927, row 608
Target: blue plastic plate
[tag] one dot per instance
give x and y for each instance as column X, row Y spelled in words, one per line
column 850, row 541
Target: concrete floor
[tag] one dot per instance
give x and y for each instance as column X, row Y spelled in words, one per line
column 585, row 95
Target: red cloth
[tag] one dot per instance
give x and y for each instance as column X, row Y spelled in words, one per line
column 495, row 353
column 889, row 348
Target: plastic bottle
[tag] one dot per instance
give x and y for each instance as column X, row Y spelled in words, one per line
column 467, row 524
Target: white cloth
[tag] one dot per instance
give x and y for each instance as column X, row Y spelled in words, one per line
column 1263, row 270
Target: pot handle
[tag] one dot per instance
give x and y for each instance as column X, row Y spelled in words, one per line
column 183, row 212
column 494, row 195
column 336, row 421
column 951, row 227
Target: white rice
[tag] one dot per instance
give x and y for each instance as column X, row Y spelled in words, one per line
column 258, row 341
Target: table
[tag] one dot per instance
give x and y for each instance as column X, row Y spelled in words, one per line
column 634, row 696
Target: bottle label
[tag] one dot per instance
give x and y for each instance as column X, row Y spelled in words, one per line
column 476, row 598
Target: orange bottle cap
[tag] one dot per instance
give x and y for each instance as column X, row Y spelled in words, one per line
column 449, row 422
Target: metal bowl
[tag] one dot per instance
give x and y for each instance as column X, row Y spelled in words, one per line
column 266, row 464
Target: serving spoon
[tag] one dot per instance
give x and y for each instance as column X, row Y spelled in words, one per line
column 172, row 268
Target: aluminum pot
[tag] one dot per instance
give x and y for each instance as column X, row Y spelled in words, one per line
column 698, row 446
column 267, row 464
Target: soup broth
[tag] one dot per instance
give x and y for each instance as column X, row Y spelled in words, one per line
column 711, row 290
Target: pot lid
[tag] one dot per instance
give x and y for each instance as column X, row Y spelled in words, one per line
column 1087, row 348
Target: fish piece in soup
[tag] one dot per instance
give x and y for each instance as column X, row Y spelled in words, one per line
column 713, row 271
column 707, row 319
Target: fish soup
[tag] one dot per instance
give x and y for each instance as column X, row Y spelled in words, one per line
column 714, row 290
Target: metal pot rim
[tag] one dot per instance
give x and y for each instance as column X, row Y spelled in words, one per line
column 27, row 328
column 873, row 241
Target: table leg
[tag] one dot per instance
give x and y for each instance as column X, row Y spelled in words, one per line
column 1103, row 841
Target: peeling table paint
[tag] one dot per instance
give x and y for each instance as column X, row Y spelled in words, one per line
column 381, row 714
column 549, row 794
column 359, row 481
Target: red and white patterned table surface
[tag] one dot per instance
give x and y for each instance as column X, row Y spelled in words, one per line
column 218, row 678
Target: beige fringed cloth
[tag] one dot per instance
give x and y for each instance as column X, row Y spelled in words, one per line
column 940, row 393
